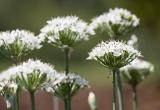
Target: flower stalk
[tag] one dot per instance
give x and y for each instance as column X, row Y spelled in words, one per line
column 32, row 95
column 67, row 54
column 17, row 99
column 120, row 90
column 16, row 62
column 68, row 99
column 114, row 91
column 134, row 98
column 67, row 102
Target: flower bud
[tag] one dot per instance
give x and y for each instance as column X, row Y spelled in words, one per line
column 92, row 101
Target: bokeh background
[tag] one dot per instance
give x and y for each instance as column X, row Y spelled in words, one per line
column 33, row 14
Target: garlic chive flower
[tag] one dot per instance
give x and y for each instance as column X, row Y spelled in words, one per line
column 113, row 54
column 136, row 71
column 116, row 22
column 18, row 43
column 66, row 84
column 66, row 31
column 31, row 75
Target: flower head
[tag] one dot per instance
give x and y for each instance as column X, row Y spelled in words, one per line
column 66, row 31
column 31, row 75
column 116, row 22
column 113, row 54
column 62, row 84
column 136, row 71
column 18, row 43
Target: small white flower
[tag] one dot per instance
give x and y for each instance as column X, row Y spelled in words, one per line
column 136, row 71
column 18, row 43
column 66, row 31
column 133, row 41
column 113, row 54
column 8, row 104
column 116, row 22
column 63, row 82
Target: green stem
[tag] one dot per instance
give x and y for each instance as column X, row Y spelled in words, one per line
column 16, row 61
column 67, row 102
column 120, row 91
column 67, row 60
column 114, row 91
column 17, row 98
column 32, row 95
column 135, row 99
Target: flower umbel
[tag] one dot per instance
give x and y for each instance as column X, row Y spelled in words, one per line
column 66, row 31
column 66, row 84
column 31, row 75
column 113, row 54
column 18, row 43
column 116, row 22
column 137, row 71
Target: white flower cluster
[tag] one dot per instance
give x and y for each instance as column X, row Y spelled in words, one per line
column 63, row 84
column 136, row 71
column 117, row 21
column 117, row 51
column 18, row 42
column 30, row 75
column 65, row 31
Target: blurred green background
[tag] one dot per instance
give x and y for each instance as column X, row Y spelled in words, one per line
column 33, row 14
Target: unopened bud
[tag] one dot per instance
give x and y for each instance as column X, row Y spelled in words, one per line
column 92, row 101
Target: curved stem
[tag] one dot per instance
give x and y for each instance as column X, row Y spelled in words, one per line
column 134, row 98
column 33, row 100
column 120, row 91
column 114, row 91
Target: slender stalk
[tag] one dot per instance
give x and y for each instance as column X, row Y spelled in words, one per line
column 16, row 61
column 32, row 95
column 120, row 91
column 114, row 91
column 17, row 98
column 67, row 102
column 134, row 98
column 66, row 60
